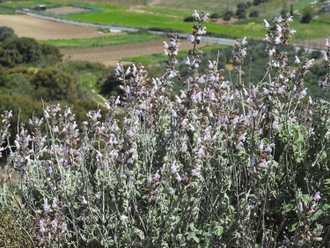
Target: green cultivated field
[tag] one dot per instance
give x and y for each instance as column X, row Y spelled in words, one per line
column 161, row 17
column 102, row 41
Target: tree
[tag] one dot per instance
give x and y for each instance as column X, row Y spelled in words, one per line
column 254, row 13
column 3, row 75
column 241, row 15
column 307, row 14
column 52, row 84
column 10, row 57
column 240, row 12
column 50, row 51
column 29, row 48
column 228, row 14
column 6, row 33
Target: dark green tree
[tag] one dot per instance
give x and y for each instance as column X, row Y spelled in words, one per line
column 10, row 57
column 227, row 16
column 29, row 48
column 51, row 52
column 6, row 33
column 254, row 13
column 52, row 84
column 3, row 75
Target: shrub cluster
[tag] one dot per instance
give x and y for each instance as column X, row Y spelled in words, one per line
column 226, row 164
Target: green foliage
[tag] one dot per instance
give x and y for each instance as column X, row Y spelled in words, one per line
column 10, row 57
column 215, row 16
column 241, row 10
column 28, row 48
column 16, row 229
column 6, row 33
column 3, row 75
column 189, row 19
column 228, row 14
column 254, row 13
column 257, row 2
column 307, row 14
column 52, row 84
column 50, row 51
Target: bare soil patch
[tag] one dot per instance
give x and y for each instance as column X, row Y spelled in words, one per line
column 40, row 29
column 110, row 56
column 66, row 9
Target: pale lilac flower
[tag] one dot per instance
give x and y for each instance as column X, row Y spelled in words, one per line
column 130, row 160
column 297, row 61
column 310, row 101
column 178, row 178
column 266, row 39
column 149, row 179
column 190, row 38
column 195, row 172
column 266, row 92
column 196, row 15
column 172, row 192
column 183, row 95
column 266, row 24
column 201, row 31
column 326, row 42
column 165, row 45
column 242, row 137
column 293, row 31
column 84, row 202
column 286, row 240
column 309, row 63
column 239, row 145
column 269, row 148
column 54, row 224
column 46, row 206
column 277, row 40
column 117, row 100
column 42, row 228
column 54, row 205
column 210, row 65
column 301, row 207
column 279, row 19
column 157, row 176
column 290, row 19
column 317, row 196
column 205, row 17
column 165, row 52
column 275, row 124
column 63, row 228
column 325, row 57
column 264, row 164
column 201, row 153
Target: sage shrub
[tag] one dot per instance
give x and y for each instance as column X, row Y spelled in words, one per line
column 226, row 164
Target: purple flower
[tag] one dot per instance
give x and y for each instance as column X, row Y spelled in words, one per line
column 239, row 145
column 46, row 206
column 84, row 202
column 317, row 196
column 326, row 42
column 196, row 15
column 286, row 240
column 266, row 24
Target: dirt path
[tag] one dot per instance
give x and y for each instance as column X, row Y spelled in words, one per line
column 110, row 56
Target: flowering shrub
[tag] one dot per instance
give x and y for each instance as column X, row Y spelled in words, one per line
column 227, row 164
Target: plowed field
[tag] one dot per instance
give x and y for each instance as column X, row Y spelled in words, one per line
column 40, row 29
column 111, row 55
